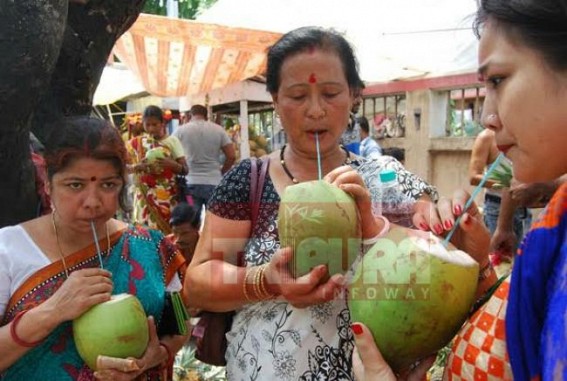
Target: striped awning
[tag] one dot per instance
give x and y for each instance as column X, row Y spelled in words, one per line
column 174, row 58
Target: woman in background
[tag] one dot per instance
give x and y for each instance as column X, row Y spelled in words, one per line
column 156, row 160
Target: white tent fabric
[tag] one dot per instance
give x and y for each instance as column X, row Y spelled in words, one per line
column 394, row 39
column 117, row 82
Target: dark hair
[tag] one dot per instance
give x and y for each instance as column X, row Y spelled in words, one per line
column 363, row 123
column 153, row 111
column 303, row 39
column 184, row 213
column 397, row 153
column 199, row 110
column 83, row 136
column 539, row 24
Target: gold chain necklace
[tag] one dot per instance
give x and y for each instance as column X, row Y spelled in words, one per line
column 59, row 243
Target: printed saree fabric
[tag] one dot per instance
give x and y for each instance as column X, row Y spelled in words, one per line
column 536, row 321
column 521, row 332
column 478, row 351
column 155, row 193
column 142, row 263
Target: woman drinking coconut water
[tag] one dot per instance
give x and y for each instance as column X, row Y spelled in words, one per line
column 50, row 270
column 286, row 328
column 520, row 333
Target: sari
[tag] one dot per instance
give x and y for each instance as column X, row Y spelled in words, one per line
column 155, row 194
column 142, row 263
column 521, row 332
column 536, row 324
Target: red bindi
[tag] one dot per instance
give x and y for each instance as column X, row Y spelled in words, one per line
column 93, row 178
column 312, row 78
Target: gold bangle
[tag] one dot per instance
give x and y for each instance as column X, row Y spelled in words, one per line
column 263, row 288
column 244, row 284
column 257, row 277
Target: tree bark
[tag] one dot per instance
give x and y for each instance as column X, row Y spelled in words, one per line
column 31, row 33
column 52, row 56
column 90, row 34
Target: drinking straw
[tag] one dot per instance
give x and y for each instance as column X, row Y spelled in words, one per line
column 318, row 156
column 97, row 245
column 472, row 197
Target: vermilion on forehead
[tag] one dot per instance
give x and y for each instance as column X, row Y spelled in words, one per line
column 312, row 78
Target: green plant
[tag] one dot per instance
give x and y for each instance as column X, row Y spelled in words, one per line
column 502, row 176
column 187, row 368
column 188, row 9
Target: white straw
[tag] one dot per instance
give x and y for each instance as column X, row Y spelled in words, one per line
column 473, row 196
column 318, row 156
column 96, row 244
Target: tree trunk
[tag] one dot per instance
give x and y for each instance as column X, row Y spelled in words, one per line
column 31, row 32
column 90, row 34
column 52, row 56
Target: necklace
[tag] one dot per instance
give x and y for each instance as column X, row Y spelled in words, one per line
column 59, row 243
column 288, row 173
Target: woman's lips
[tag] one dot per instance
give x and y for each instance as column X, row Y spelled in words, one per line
column 504, row 148
column 313, row 133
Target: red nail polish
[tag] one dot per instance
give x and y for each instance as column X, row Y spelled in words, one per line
column 423, row 226
column 448, row 225
column 458, row 210
column 438, row 229
column 356, row 328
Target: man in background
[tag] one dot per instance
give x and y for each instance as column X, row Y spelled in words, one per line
column 203, row 142
column 351, row 136
column 184, row 117
column 369, row 148
column 516, row 218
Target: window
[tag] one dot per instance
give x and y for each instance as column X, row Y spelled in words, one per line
column 464, row 111
column 386, row 115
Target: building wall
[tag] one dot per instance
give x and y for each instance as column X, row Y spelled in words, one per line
column 442, row 161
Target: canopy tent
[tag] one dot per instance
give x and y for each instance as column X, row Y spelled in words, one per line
column 394, row 39
column 117, row 82
column 175, row 58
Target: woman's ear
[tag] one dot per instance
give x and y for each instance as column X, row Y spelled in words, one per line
column 47, row 188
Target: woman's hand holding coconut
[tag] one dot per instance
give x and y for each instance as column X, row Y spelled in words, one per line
column 350, row 181
column 312, row 288
column 82, row 290
column 471, row 236
column 369, row 365
column 115, row 369
column 316, row 286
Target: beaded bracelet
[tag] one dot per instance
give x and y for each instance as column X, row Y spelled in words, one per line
column 15, row 336
column 385, row 229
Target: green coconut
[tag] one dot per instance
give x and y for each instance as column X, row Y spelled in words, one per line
column 116, row 328
column 412, row 293
column 320, row 222
column 154, row 154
